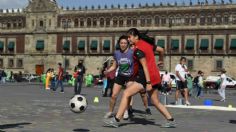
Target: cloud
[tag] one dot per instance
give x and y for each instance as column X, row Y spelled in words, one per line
column 9, row 4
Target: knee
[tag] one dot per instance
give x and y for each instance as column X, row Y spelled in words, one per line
column 114, row 96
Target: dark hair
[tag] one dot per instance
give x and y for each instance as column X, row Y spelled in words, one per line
column 59, row 64
column 183, row 58
column 143, row 36
column 134, row 32
column 122, row 37
column 199, row 72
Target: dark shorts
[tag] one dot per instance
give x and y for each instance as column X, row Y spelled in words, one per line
column 181, row 85
column 121, row 80
column 139, row 78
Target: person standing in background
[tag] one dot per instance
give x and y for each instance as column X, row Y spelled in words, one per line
column 221, row 90
column 80, row 68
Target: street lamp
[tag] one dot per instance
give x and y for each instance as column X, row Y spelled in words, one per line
column 170, row 26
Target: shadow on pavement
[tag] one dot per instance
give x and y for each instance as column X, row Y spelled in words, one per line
column 232, row 121
column 8, row 126
column 81, row 130
column 141, row 121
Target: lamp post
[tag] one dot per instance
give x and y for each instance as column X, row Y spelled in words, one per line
column 170, row 42
column 65, row 26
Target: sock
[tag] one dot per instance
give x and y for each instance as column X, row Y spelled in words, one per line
column 171, row 119
column 118, row 120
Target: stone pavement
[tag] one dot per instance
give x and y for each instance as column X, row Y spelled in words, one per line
column 27, row 107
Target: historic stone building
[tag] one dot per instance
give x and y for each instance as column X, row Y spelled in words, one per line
column 42, row 34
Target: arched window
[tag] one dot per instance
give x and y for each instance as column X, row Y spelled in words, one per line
column 115, row 22
column 193, row 20
column 149, row 21
column 202, row 19
column 89, row 22
column 163, row 20
column 69, row 23
column 186, row 20
column 108, row 21
column 94, row 22
column 76, row 21
column 14, row 24
column 226, row 18
column 121, row 22
column 135, row 23
column 81, row 22
column 128, row 22
column 20, row 23
column 102, row 22
column 142, row 21
column 209, row 19
column 157, row 20
column 218, row 19
column 63, row 23
column 178, row 19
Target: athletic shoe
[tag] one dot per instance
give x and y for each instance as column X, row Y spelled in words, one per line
column 187, row 103
column 126, row 115
column 148, row 111
column 169, row 124
column 112, row 122
column 62, row 91
column 222, row 100
column 108, row 115
column 130, row 112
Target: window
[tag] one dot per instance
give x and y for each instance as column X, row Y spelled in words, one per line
column 209, row 19
column 193, row 20
column 163, row 21
column 190, row 64
column 67, row 63
column 202, row 20
column 1, row 63
column 226, row 19
column 81, row 22
column 8, row 25
column 157, row 20
column 186, row 20
column 142, row 21
column 219, row 64
column 94, row 22
column 41, row 23
column 234, row 19
column 128, row 22
column 121, row 21
column 10, row 63
column 76, row 22
column 19, row 63
column 102, row 22
column 178, row 20
column 115, row 22
column 108, row 22
column 135, row 23
column 149, row 21
column 218, row 19
column 88, row 22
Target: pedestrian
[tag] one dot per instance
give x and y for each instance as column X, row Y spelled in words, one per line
column 79, row 81
column 48, row 78
column 166, row 83
column 60, row 78
column 146, row 77
column 110, row 81
column 199, row 83
column 223, row 83
column 181, row 73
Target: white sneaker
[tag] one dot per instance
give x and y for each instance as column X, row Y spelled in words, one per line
column 108, row 115
column 126, row 115
column 187, row 103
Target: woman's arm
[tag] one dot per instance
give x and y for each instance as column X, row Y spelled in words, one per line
column 113, row 67
column 161, row 51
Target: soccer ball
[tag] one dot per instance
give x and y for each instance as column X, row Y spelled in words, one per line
column 78, row 104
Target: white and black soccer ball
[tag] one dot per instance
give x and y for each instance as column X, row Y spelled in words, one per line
column 78, row 104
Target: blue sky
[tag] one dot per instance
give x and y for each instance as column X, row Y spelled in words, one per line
column 4, row 4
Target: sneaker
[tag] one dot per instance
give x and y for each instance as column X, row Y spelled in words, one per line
column 62, row 91
column 222, row 100
column 112, row 122
column 148, row 111
column 47, row 88
column 169, row 124
column 126, row 115
column 108, row 115
column 187, row 103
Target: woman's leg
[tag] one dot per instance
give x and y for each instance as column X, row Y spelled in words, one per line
column 129, row 91
column 115, row 93
column 154, row 96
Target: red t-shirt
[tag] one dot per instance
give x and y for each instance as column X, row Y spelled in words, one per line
column 153, row 70
column 60, row 73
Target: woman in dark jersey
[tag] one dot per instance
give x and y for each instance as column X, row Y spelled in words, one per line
column 146, row 75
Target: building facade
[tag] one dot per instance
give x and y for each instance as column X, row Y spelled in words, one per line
column 42, row 34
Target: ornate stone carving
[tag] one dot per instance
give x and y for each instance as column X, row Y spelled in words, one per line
column 42, row 6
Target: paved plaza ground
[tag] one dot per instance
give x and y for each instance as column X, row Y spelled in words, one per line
column 27, row 107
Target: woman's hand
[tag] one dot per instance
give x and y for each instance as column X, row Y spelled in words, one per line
column 148, row 87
